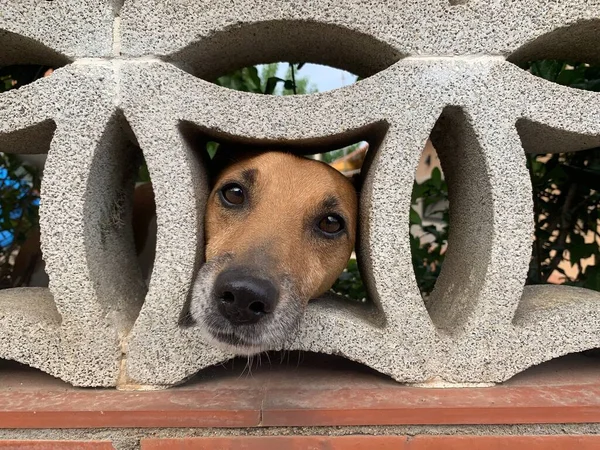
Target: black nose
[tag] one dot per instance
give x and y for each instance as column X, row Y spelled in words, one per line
column 244, row 299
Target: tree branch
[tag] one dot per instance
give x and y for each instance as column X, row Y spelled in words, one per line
column 565, row 226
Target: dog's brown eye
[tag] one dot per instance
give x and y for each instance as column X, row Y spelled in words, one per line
column 331, row 224
column 233, row 194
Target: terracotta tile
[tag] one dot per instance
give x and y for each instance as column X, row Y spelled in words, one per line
column 377, row 443
column 311, row 393
column 97, row 408
column 413, row 406
column 279, row 443
column 504, row 443
column 56, row 445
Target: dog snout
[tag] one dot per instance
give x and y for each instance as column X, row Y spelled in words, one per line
column 244, row 299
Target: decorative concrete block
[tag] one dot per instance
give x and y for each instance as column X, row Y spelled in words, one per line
column 468, row 335
column 56, row 32
column 210, row 37
column 436, row 68
column 96, row 288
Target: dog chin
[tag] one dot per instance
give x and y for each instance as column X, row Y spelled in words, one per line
column 237, row 349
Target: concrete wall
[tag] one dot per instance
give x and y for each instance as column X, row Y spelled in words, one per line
column 134, row 74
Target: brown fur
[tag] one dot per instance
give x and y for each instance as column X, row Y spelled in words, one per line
column 287, row 195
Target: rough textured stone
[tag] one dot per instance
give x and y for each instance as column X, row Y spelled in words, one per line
column 53, row 33
column 209, row 36
column 469, row 335
column 88, row 182
column 436, row 67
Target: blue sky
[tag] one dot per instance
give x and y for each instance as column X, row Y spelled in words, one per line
column 324, row 77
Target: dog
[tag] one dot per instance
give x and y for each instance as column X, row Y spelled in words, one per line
column 279, row 230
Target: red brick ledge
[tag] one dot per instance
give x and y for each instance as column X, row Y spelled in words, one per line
column 56, row 445
column 377, row 442
column 319, row 392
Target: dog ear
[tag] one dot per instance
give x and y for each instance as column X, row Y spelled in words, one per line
column 356, row 181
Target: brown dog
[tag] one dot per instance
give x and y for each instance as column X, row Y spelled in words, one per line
column 279, row 230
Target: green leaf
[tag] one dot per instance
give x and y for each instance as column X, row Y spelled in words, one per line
column 580, row 252
column 272, row 84
column 211, row 148
column 548, row 69
column 568, row 77
column 289, row 85
column 253, row 80
column 418, row 192
column 415, row 219
column 436, row 178
column 590, row 85
column 592, row 277
column 143, row 175
column 592, row 73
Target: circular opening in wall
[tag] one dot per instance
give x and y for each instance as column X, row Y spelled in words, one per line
column 575, row 42
column 286, row 79
column 112, row 250
column 565, row 168
column 21, row 263
column 24, row 60
column 296, row 41
column 294, row 199
column 458, row 198
column 429, row 220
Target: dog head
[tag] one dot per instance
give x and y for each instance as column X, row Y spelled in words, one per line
column 279, row 230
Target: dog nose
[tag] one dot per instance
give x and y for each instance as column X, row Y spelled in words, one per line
column 244, row 299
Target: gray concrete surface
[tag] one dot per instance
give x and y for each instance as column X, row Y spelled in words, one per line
column 435, row 68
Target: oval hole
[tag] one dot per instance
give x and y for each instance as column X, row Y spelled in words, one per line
column 296, row 41
column 429, row 220
column 349, row 153
column 451, row 302
column 286, row 79
column 109, row 234
column 21, row 50
column 576, row 42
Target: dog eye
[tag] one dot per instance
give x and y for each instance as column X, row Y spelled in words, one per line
column 233, row 194
column 331, row 224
